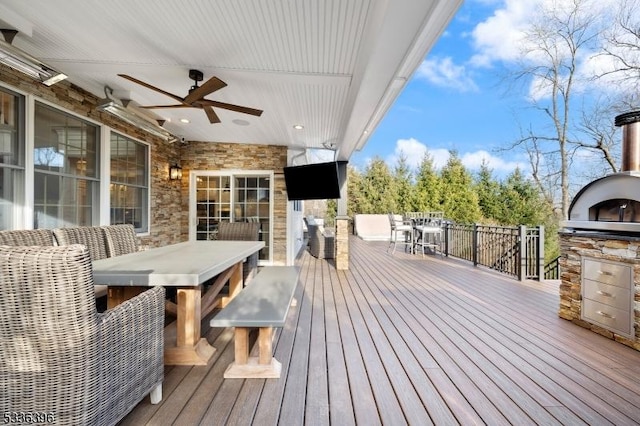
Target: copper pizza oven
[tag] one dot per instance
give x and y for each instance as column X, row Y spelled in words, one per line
column 612, row 203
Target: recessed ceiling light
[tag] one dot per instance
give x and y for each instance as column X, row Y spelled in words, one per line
column 185, row 120
column 240, row 122
column 298, row 126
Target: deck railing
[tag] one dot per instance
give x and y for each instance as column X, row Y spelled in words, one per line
column 516, row 251
column 552, row 269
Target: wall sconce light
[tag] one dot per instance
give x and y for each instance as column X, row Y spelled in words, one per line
column 175, row 172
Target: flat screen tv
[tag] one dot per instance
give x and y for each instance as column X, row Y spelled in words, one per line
column 318, row 181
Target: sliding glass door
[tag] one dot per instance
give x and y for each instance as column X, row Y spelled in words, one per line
column 232, row 196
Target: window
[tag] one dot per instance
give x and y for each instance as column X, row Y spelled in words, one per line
column 11, row 157
column 129, row 182
column 66, row 158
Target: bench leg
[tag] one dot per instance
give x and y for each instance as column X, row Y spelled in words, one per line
column 265, row 340
column 264, row 366
column 241, row 345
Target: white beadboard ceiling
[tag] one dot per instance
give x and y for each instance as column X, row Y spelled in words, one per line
column 333, row 66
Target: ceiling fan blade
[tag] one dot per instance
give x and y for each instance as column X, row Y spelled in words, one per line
column 231, row 107
column 211, row 114
column 148, row 86
column 209, row 86
column 165, row 106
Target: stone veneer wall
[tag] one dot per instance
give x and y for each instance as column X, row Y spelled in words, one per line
column 166, row 203
column 616, row 248
column 233, row 156
column 169, row 199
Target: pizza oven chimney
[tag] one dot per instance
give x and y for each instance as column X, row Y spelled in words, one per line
column 630, row 125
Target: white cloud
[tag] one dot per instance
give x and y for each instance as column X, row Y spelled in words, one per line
column 473, row 161
column 440, row 156
column 414, row 152
column 412, row 149
column 499, row 38
column 444, row 73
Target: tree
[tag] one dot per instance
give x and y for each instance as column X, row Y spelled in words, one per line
column 552, row 48
column 488, row 190
column 404, row 187
column 427, row 187
column 355, row 191
column 598, row 125
column 622, row 44
column 459, row 200
column 378, row 188
column 522, row 203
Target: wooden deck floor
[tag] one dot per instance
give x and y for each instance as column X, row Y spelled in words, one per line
column 404, row 340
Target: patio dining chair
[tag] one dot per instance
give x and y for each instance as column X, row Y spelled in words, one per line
column 27, row 237
column 401, row 232
column 93, row 238
column 429, row 236
column 58, row 355
column 242, row 231
column 90, row 236
column 120, row 239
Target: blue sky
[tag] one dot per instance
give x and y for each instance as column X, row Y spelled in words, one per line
column 456, row 100
column 447, row 105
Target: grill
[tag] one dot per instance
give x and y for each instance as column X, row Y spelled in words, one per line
column 612, row 203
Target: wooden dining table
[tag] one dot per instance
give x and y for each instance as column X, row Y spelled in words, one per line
column 185, row 266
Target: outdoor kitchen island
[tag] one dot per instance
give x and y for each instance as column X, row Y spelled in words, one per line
column 599, row 287
column 599, row 243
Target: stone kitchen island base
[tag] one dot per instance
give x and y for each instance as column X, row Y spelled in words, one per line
column 599, row 289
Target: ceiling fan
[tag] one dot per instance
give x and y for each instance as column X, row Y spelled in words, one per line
column 196, row 96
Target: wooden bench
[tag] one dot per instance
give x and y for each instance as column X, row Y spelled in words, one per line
column 263, row 304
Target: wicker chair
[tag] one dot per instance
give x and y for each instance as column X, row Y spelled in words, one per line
column 242, row 231
column 58, row 355
column 90, row 236
column 27, row 237
column 93, row 238
column 321, row 244
column 120, row 239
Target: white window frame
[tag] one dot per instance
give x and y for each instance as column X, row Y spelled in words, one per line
column 24, row 214
column 106, row 212
column 232, row 173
